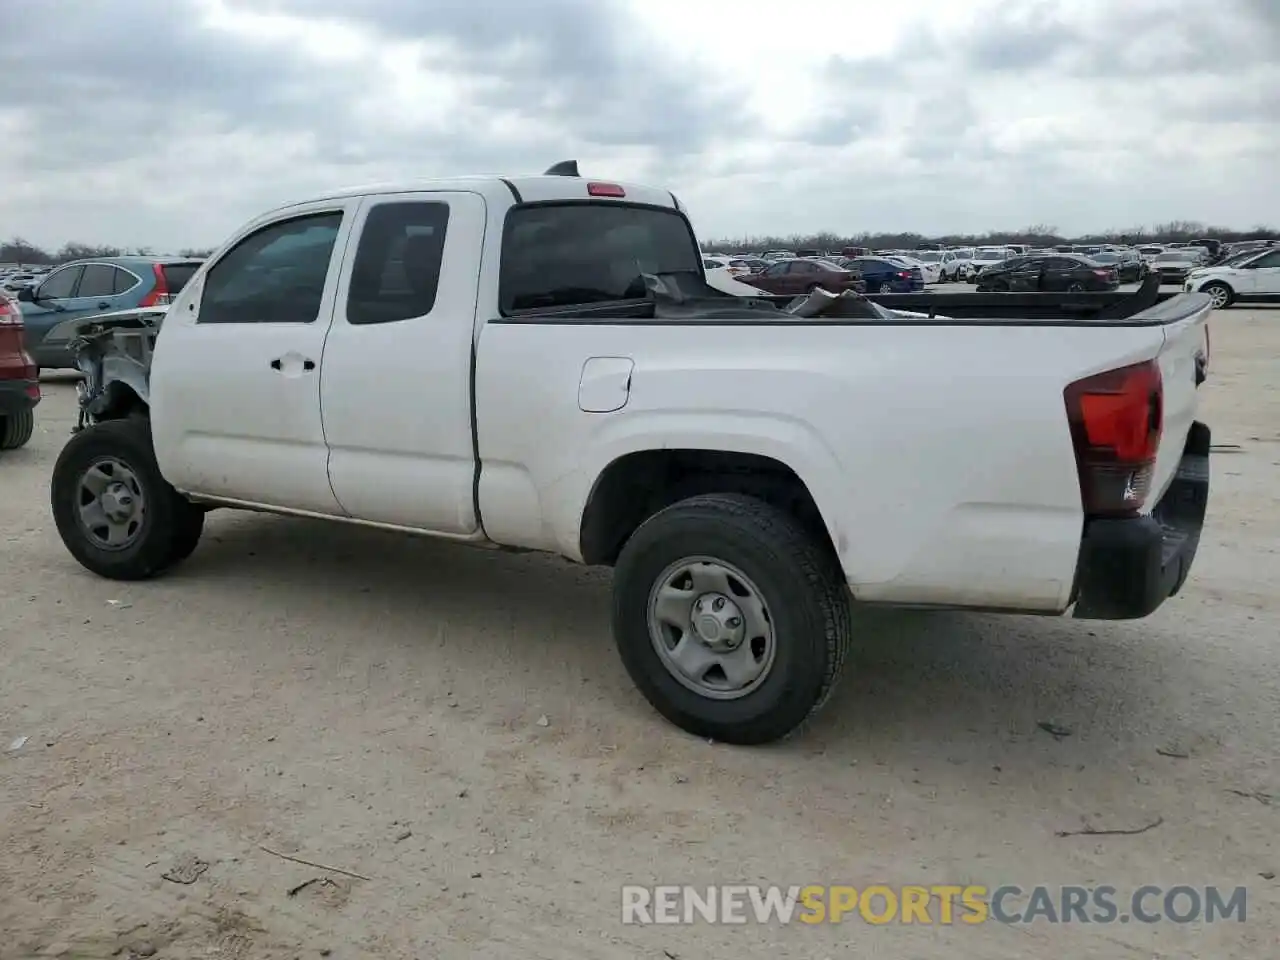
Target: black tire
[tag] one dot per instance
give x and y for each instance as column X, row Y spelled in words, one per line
column 800, row 583
column 1216, row 289
column 170, row 527
column 16, row 428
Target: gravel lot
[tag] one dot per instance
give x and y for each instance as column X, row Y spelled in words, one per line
column 377, row 704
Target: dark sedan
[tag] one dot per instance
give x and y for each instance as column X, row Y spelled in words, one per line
column 1129, row 269
column 796, row 277
column 885, row 276
column 1061, row 272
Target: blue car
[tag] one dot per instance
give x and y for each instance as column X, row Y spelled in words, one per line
column 86, row 287
column 884, row 276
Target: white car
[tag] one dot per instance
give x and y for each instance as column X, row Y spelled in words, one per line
column 956, row 265
column 1253, row 279
column 929, row 262
column 734, row 266
column 515, row 363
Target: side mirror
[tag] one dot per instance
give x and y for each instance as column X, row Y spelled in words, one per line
column 27, row 294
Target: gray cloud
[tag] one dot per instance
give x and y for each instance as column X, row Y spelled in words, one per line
column 135, row 122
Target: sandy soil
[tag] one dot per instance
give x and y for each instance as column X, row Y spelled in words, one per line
column 373, row 703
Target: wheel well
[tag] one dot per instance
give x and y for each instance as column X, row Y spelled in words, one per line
column 116, row 402
column 638, row 485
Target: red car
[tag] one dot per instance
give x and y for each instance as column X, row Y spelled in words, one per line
column 19, row 379
column 798, row 277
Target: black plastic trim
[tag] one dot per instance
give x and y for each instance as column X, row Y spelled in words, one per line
column 1130, row 565
column 515, row 192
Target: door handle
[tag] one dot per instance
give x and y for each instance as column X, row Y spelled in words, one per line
column 307, row 364
column 103, row 305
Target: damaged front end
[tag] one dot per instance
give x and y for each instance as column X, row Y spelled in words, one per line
column 113, row 351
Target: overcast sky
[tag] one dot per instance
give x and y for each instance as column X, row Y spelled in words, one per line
column 169, row 122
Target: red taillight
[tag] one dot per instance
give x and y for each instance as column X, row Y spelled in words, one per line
column 605, row 190
column 10, row 315
column 159, row 295
column 1102, row 273
column 1116, row 419
column 904, row 274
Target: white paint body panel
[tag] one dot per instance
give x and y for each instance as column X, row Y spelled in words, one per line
column 224, row 422
column 939, row 456
column 397, row 396
column 943, row 477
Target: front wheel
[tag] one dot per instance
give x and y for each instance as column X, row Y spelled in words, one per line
column 1220, row 294
column 731, row 618
column 115, row 512
column 16, row 428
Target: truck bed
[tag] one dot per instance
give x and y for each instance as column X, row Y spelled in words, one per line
column 688, row 300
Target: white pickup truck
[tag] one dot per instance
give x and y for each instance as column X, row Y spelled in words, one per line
column 537, row 363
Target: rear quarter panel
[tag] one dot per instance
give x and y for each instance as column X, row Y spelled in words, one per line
column 939, row 456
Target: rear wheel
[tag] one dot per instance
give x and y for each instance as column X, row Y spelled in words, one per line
column 115, row 512
column 1075, row 287
column 1220, row 293
column 731, row 618
column 886, row 288
column 16, row 428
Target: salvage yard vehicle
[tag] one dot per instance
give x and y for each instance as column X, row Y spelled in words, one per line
column 1251, row 279
column 86, row 287
column 19, row 379
column 538, row 363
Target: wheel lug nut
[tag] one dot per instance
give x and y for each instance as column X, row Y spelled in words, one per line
column 734, row 622
column 717, row 603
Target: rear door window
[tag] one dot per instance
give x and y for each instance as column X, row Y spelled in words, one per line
column 397, row 265
column 573, row 254
column 98, row 281
column 123, row 281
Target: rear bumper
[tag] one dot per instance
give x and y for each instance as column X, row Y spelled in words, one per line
column 18, row 395
column 1129, row 566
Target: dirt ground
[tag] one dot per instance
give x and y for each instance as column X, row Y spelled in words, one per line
column 454, row 726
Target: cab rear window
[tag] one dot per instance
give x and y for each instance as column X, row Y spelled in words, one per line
column 575, row 254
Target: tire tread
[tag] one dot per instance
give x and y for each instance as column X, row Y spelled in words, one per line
column 16, row 429
column 797, row 547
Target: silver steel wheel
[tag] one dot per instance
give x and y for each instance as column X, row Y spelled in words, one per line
column 711, row 628
column 110, row 504
column 1219, row 296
